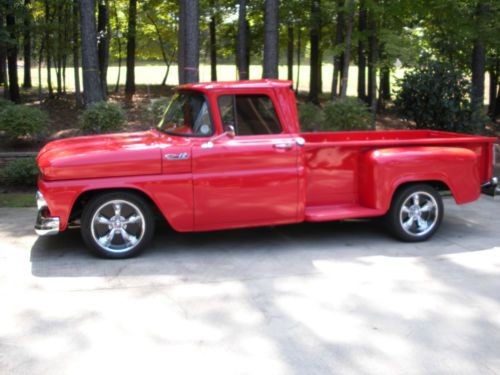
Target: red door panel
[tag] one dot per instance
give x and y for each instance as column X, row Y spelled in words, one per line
column 245, row 181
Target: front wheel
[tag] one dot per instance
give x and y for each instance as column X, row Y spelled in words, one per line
column 416, row 213
column 117, row 225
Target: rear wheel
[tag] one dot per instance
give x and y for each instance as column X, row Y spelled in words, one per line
column 416, row 213
column 117, row 225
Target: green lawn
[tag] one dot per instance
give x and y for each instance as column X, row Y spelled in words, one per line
column 17, row 200
column 153, row 74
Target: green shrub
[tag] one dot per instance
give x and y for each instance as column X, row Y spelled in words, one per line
column 5, row 103
column 347, row 114
column 22, row 122
column 311, row 117
column 21, row 172
column 102, row 117
column 437, row 96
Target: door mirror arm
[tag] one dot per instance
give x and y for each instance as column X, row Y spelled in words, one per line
column 229, row 132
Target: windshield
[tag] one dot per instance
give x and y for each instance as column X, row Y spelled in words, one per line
column 188, row 115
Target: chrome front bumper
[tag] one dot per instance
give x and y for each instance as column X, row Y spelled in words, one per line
column 45, row 225
column 491, row 188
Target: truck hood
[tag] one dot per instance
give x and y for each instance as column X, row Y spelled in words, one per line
column 110, row 155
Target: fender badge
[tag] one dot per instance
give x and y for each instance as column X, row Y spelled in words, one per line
column 181, row 156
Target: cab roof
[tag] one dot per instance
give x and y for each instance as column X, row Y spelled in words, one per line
column 251, row 84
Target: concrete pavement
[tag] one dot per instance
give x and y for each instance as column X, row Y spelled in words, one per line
column 328, row 298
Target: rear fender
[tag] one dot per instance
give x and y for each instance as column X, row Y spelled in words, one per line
column 384, row 170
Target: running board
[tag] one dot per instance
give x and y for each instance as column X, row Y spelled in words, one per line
column 340, row 212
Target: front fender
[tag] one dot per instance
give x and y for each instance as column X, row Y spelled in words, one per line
column 172, row 194
column 384, row 170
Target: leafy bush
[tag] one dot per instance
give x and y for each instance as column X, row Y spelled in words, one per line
column 102, row 117
column 22, row 122
column 153, row 111
column 347, row 114
column 311, row 117
column 5, row 103
column 437, row 96
column 21, row 172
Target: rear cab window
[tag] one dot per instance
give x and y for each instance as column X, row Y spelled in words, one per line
column 249, row 114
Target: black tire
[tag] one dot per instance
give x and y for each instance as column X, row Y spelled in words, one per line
column 412, row 224
column 137, row 216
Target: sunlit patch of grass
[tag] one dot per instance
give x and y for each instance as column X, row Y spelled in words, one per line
column 17, row 200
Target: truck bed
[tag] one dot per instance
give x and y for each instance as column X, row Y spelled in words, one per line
column 337, row 166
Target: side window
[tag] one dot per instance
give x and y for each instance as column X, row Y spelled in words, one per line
column 188, row 114
column 249, row 114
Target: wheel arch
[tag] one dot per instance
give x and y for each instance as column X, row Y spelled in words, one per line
column 87, row 195
column 439, row 185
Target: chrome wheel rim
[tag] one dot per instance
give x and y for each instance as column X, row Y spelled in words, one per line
column 419, row 214
column 118, row 226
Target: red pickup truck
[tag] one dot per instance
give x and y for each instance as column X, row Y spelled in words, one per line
column 230, row 155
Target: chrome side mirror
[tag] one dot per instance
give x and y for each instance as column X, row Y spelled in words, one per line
column 228, row 132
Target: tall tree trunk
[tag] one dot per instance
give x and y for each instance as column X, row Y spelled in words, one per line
column 242, row 56
column 478, row 65
column 314, row 80
column 271, row 53
column 213, row 50
column 58, row 54
column 372, row 67
column 27, row 45
column 76, row 58
column 385, row 84
column 48, row 49
column 349, row 5
column 90, row 64
column 299, row 28
column 132, row 23
column 362, row 52
column 192, row 42
column 493, row 73
column 104, row 33
column 290, row 53
column 3, row 54
column 496, row 112
column 181, row 41
column 338, row 58
column 67, row 40
column 40, row 60
column 119, row 41
column 12, row 55
column 213, row 44
column 64, row 62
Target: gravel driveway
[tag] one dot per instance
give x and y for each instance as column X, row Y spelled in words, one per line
column 329, row 298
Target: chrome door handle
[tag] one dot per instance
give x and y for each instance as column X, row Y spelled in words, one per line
column 286, row 145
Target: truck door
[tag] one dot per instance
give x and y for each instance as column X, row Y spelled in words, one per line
column 252, row 178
